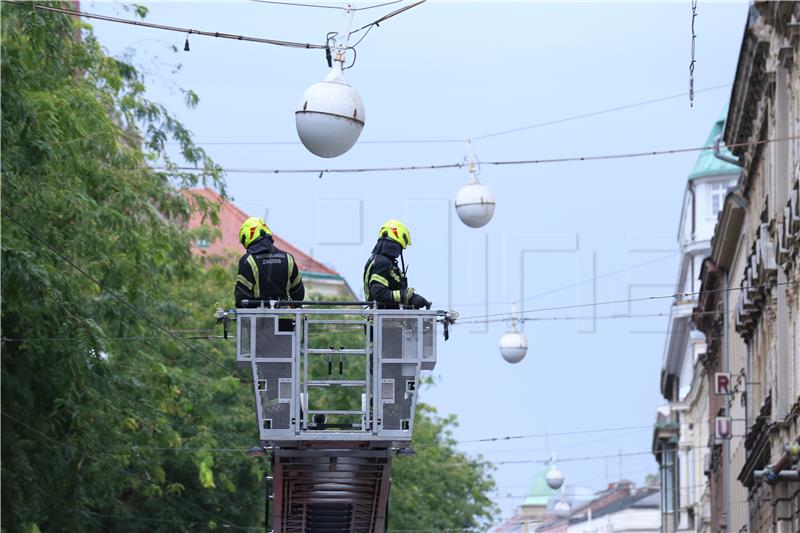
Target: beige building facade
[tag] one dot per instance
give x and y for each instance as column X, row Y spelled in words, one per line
column 750, row 307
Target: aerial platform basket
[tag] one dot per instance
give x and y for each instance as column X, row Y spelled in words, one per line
column 331, row 451
column 367, row 359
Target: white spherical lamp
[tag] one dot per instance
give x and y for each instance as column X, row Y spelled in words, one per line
column 554, row 478
column 562, row 508
column 475, row 203
column 513, row 347
column 330, row 116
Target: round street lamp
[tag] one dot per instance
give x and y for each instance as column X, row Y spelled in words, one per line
column 554, row 477
column 562, row 508
column 474, row 201
column 513, row 345
column 330, row 115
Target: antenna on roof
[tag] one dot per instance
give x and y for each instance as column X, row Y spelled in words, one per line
column 266, row 215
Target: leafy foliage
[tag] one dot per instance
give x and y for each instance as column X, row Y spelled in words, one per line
column 439, row 488
column 101, row 413
column 108, row 423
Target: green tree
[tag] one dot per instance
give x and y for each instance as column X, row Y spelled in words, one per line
column 105, row 419
column 109, row 423
column 439, row 488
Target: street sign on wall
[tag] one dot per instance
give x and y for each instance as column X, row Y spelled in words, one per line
column 722, row 383
column 723, row 428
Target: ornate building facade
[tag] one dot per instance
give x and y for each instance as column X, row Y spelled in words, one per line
column 750, row 307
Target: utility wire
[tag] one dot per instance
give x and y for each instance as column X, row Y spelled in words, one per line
column 559, row 449
column 601, row 112
column 461, row 164
column 220, row 337
column 186, row 31
column 495, row 134
column 120, row 299
column 324, row 6
column 296, row 4
column 566, row 460
column 221, row 35
column 243, row 450
column 387, row 16
column 418, row 446
column 557, row 434
column 576, row 284
column 644, row 298
column 567, row 318
column 378, row 5
column 568, row 433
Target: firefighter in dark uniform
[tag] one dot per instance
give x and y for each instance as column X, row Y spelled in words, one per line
column 384, row 281
column 265, row 271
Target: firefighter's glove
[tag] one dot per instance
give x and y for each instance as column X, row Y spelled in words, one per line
column 418, row 302
column 407, row 295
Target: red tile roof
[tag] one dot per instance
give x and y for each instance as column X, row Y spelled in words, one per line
column 230, row 220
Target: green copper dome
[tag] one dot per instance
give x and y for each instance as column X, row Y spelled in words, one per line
column 539, row 492
column 707, row 164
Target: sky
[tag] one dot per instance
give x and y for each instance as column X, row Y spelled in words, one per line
column 459, row 70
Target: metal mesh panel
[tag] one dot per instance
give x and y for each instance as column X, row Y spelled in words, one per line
column 399, row 338
column 285, row 390
column 271, row 406
column 400, row 409
column 387, row 390
column 428, row 341
column 244, row 338
column 428, row 338
column 270, row 344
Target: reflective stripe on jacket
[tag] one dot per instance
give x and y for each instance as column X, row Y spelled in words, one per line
column 383, row 280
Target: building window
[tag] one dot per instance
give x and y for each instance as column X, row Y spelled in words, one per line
column 718, row 192
column 203, row 243
column 667, row 482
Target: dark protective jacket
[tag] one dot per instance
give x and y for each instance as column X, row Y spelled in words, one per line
column 384, row 282
column 268, row 273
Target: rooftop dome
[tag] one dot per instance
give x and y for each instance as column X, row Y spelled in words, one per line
column 539, row 492
column 707, row 164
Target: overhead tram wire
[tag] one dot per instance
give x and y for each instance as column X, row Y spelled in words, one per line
column 220, row 337
column 221, row 35
column 384, row 4
column 243, row 449
column 386, row 17
column 293, row 44
column 324, row 6
column 596, row 113
column 460, row 322
column 556, row 434
column 573, row 285
column 185, row 31
column 495, row 134
column 571, row 318
column 297, row 4
column 122, row 300
column 461, row 164
column 630, row 300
